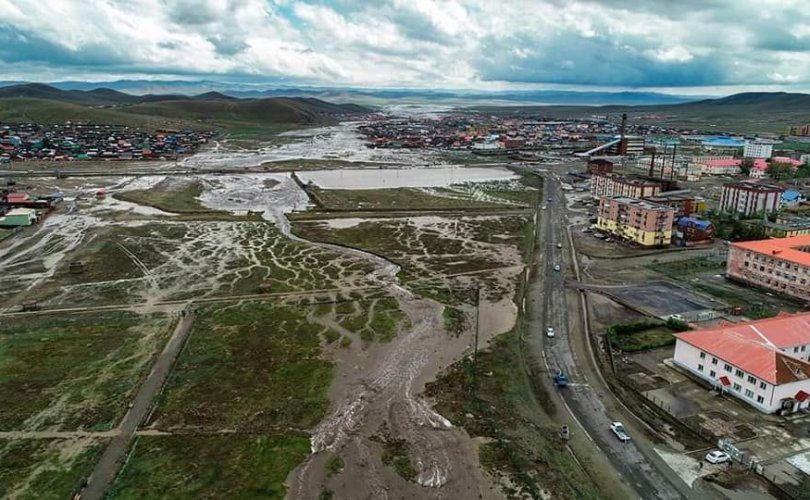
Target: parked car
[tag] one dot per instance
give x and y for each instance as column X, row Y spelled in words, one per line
column 544, row 207
column 718, row 457
column 560, row 380
column 618, row 430
column 559, row 245
column 549, row 332
column 556, row 267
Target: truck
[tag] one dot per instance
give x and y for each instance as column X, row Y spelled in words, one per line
column 560, row 380
column 618, row 430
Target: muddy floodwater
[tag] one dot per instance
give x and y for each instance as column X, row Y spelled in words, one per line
column 379, row 178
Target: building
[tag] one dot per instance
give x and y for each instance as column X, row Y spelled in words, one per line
column 639, row 221
column 760, row 168
column 720, row 166
column 758, row 149
column 749, row 198
column 778, row 264
column 791, row 199
column 763, row 363
column 681, row 201
column 800, row 131
column 19, row 217
column 611, row 185
column 600, row 166
column 785, row 226
column 690, row 231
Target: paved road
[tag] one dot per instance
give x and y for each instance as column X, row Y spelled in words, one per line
column 587, row 398
column 110, row 461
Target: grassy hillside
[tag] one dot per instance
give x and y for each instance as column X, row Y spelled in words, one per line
column 740, row 113
column 241, row 117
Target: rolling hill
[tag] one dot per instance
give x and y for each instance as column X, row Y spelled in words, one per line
column 44, row 104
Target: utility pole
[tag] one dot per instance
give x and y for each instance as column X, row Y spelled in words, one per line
column 477, row 298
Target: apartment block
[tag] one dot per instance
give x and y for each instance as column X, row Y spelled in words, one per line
column 750, row 198
column 647, row 224
column 610, row 185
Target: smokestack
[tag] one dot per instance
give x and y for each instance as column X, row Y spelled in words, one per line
column 624, row 125
column 652, row 163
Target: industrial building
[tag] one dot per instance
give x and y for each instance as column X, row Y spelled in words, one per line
column 763, row 363
column 18, row 217
column 778, row 264
column 611, row 185
column 758, row 149
column 681, row 201
column 639, row 221
column 600, row 166
column 749, row 198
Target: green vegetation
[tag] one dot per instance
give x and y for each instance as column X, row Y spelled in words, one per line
column 524, row 447
column 169, row 196
column 374, row 319
column 454, row 320
column 644, row 335
column 677, row 269
column 394, row 199
column 251, row 367
column 334, row 464
column 46, row 469
column 75, row 371
column 302, row 164
column 730, row 227
column 220, row 466
column 395, row 455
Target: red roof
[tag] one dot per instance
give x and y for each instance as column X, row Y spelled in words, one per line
column 725, row 162
column 782, row 248
column 801, row 396
column 18, row 197
column 755, row 346
column 724, row 380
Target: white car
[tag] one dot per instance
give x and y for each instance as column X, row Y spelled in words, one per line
column 559, row 245
column 544, row 207
column 549, row 332
column 717, row 457
column 556, row 267
column 618, row 430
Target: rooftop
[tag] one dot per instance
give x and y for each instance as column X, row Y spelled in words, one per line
column 641, row 203
column 788, row 249
column 752, row 186
column 755, row 346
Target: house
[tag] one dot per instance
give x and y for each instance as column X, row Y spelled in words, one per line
column 763, row 363
column 721, row 166
column 791, row 199
column 760, row 167
column 778, row 264
column 689, row 231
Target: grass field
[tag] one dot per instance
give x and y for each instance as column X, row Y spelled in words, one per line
column 45, row 469
column 169, row 196
column 524, row 449
column 74, row 371
column 643, row 335
column 193, row 467
column 251, row 367
column 377, row 319
column 399, row 199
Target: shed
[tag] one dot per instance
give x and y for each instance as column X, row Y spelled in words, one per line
column 19, row 217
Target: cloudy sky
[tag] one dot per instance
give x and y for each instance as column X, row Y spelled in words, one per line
column 683, row 46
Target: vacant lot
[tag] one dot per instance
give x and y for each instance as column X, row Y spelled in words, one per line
column 76, row 371
column 193, row 467
column 401, row 199
column 252, row 367
column 45, row 468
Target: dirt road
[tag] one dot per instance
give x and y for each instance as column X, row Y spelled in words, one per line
column 588, row 400
column 110, row 461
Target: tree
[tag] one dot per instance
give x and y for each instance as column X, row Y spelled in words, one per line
column 746, row 166
column 780, row 171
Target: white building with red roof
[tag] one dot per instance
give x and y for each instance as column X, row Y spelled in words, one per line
column 764, row 363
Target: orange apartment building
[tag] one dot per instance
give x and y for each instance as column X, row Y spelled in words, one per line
column 609, row 184
column 647, row 224
column 778, row 264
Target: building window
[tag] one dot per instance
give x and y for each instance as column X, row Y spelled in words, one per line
column 714, row 361
column 727, row 367
column 763, row 385
column 752, row 380
column 737, row 387
column 749, row 393
column 703, row 355
column 803, row 348
column 760, row 399
column 738, row 373
column 700, row 368
column 795, row 349
column 712, row 374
